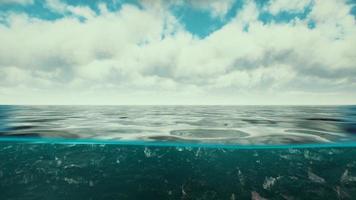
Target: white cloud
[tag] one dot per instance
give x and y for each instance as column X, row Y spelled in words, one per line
column 217, row 8
column 145, row 56
column 22, row 2
column 56, row 5
column 60, row 7
column 277, row 6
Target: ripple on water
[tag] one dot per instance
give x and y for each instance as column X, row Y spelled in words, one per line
column 285, row 139
column 211, row 124
column 209, row 133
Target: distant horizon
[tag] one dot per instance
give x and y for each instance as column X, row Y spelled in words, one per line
column 177, row 104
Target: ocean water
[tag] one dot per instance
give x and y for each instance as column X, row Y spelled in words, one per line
column 178, row 152
column 243, row 125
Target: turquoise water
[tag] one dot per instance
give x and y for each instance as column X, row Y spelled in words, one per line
column 177, row 152
column 118, row 171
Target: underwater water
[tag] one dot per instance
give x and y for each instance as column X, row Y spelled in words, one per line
column 178, row 152
column 102, row 171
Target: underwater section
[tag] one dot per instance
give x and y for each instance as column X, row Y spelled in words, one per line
column 108, row 171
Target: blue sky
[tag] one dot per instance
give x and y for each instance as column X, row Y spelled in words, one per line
column 177, row 52
column 198, row 21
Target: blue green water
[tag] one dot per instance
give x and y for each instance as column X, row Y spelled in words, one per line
column 177, row 152
column 104, row 171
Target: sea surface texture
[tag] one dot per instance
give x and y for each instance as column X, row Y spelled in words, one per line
column 246, row 125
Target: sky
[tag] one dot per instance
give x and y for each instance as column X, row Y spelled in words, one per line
column 206, row 52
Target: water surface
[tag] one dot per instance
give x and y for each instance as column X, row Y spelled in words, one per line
column 245, row 125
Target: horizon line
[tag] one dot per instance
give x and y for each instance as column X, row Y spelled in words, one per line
column 177, row 104
column 82, row 141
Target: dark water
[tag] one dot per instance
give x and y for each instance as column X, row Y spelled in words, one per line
column 60, row 171
column 188, row 124
column 177, row 152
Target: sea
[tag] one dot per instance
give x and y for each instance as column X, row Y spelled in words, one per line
column 178, row 152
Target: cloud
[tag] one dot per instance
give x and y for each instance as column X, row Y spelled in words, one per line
column 22, row 2
column 145, row 56
column 62, row 8
column 294, row 6
column 217, row 8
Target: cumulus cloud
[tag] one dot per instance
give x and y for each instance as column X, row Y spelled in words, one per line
column 217, row 8
column 78, row 11
column 277, row 6
column 145, row 56
column 22, row 2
